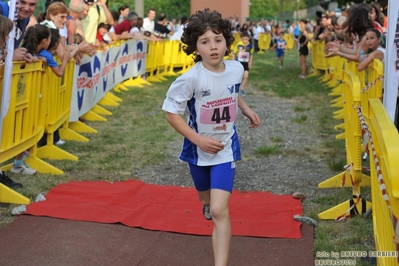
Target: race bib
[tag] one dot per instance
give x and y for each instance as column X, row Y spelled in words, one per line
column 243, row 56
column 217, row 116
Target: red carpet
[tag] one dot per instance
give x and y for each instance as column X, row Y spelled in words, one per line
column 168, row 208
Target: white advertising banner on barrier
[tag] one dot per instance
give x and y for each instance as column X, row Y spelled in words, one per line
column 391, row 75
column 100, row 73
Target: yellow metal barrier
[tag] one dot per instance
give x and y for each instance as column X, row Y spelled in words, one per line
column 264, row 42
column 7, row 195
column 290, row 41
column 373, row 82
column 319, row 61
column 237, row 39
column 353, row 172
column 23, row 125
column 384, row 182
column 57, row 92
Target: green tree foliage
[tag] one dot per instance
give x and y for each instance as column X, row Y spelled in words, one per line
column 171, row 8
column 275, row 8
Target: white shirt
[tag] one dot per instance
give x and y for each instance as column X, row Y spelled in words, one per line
column 210, row 101
column 50, row 24
column 148, row 25
column 177, row 35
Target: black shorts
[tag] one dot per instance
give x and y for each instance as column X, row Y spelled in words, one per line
column 245, row 65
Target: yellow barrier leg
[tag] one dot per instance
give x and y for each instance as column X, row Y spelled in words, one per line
column 7, row 195
column 332, row 84
column 81, row 127
column 339, row 116
column 121, row 87
column 113, row 97
column 339, row 112
column 54, row 153
column 68, row 134
column 335, row 181
column 38, row 164
column 140, row 80
column 338, row 104
column 314, row 73
column 107, row 101
column 340, row 136
column 132, row 83
column 340, row 126
column 100, row 110
column 336, row 91
column 339, row 99
column 334, row 212
column 92, row 116
column 170, row 72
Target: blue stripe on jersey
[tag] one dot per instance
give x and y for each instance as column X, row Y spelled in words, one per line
column 235, row 145
column 189, row 151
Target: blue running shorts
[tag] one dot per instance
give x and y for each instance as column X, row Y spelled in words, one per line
column 220, row 176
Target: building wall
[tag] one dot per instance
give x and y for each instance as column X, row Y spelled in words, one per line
column 228, row 8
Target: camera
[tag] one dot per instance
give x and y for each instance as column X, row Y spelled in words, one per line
column 90, row 1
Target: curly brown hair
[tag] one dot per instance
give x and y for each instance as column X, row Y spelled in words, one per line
column 198, row 24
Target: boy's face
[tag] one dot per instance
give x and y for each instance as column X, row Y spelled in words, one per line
column 281, row 36
column 212, row 48
column 245, row 39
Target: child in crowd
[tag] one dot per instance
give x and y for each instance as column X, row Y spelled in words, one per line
column 373, row 40
column 102, row 29
column 42, row 42
column 280, row 48
column 211, row 144
column 243, row 54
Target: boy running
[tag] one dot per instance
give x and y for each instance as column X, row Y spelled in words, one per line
column 280, row 45
column 243, row 54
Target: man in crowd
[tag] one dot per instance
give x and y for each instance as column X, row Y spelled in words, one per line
column 148, row 22
column 98, row 12
column 127, row 24
column 161, row 30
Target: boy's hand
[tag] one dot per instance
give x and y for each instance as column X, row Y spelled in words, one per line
column 210, row 145
column 252, row 116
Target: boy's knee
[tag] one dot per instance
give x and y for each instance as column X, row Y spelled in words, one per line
column 218, row 211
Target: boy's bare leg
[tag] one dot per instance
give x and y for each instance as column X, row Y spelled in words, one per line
column 221, row 236
column 205, row 197
column 244, row 80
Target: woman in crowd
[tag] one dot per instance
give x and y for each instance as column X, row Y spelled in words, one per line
column 303, row 48
column 355, row 27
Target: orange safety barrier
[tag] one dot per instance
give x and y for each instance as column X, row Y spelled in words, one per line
column 352, row 176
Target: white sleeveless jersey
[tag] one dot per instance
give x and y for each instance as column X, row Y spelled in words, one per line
column 210, row 101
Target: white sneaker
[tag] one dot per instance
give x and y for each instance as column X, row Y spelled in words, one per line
column 206, row 210
column 305, row 220
column 23, row 168
column 60, row 142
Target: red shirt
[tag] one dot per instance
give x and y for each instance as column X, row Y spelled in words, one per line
column 123, row 26
column 99, row 37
